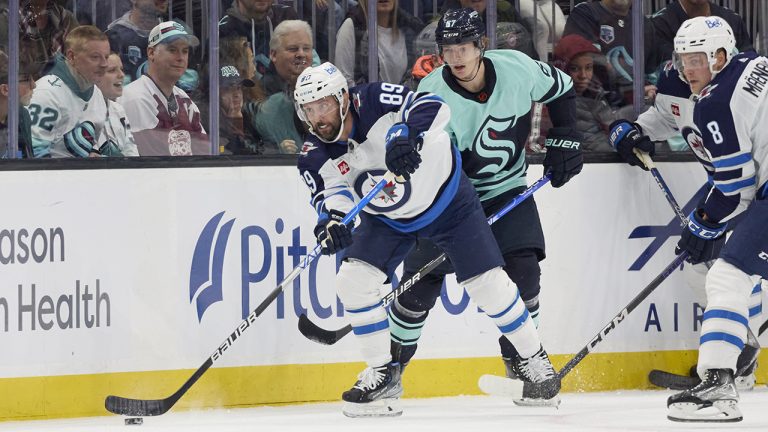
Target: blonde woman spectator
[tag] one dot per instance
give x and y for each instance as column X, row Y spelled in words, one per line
column 118, row 139
column 396, row 31
column 67, row 110
column 164, row 119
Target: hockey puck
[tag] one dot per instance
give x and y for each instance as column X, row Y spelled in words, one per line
column 134, row 421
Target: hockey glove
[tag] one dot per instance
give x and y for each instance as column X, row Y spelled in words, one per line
column 563, row 159
column 81, row 140
column 626, row 137
column 701, row 239
column 403, row 147
column 331, row 233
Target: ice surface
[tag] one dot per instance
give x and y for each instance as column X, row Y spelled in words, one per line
column 612, row 411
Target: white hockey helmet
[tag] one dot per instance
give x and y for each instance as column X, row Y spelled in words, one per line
column 706, row 35
column 316, row 83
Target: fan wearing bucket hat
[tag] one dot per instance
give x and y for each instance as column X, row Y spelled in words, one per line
column 164, row 118
column 236, row 135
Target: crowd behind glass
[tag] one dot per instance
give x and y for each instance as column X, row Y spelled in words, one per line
column 144, row 82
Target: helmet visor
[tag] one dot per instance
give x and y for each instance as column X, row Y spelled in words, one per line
column 460, row 54
column 319, row 109
column 691, row 62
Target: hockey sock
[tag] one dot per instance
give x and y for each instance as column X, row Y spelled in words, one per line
column 405, row 329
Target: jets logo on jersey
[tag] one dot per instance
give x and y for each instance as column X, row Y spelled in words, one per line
column 393, row 196
column 676, row 109
column 343, row 167
column 695, row 142
column 495, row 148
column 306, row 148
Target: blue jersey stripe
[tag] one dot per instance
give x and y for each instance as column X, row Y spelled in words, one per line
column 733, row 161
column 516, row 324
column 730, row 188
column 364, row 309
column 511, row 305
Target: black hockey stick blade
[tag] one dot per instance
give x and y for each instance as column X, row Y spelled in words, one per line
column 672, row 381
column 320, row 335
column 137, row 407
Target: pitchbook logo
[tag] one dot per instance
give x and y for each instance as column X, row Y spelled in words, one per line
column 205, row 286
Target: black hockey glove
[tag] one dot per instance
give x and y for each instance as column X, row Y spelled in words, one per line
column 626, row 137
column 332, row 234
column 701, row 239
column 403, row 147
column 563, row 159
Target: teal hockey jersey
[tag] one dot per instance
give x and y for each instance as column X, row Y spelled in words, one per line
column 491, row 127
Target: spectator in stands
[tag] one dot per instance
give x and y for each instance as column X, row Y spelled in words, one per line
column 255, row 20
column 44, row 26
column 164, row 120
column 667, row 21
column 234, row 51
column 608, row 25
column 546, row 21
column 128, row 34
column 25, row 87
column 97, row 12
column 396, row 30
column 236, row 134
column 118, row 139
column 67, row 110
column 576, row 56
column 275, row 120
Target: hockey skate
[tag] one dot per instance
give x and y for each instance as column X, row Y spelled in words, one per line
column 536, row 368
column 715, row 399
column 375, row 394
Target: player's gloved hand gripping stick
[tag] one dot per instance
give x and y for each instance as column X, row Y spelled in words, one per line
column 329, row 337
column 154, row 407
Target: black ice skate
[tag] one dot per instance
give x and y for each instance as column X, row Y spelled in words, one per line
column 375, row 394
column 715, row 399
column 536, row 368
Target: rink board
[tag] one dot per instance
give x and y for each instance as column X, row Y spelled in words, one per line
column 125, row 281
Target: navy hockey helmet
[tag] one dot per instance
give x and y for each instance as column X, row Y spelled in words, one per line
column 457, row 26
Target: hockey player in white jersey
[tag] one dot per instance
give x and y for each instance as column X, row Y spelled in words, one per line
column 67, row 110
column 729, row 117
column 672, row 115
column 357, row 135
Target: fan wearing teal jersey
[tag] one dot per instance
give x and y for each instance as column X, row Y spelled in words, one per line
column 491, row 95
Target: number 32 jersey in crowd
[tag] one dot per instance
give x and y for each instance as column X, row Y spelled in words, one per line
column 731, row 115
column 339, row 174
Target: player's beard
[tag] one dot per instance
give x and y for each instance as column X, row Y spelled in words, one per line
column 330, row 133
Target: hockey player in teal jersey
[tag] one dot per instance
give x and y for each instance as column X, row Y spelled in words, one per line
column 490, row 95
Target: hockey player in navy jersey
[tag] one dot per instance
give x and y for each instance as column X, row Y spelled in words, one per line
column 492, row 92
column 357, row 135
column 670, row 115
column 729, row 117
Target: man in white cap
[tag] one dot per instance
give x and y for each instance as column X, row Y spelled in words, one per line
column 165, row 121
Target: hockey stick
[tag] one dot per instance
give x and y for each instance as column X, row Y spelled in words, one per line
column 155, row 407
column 329, row 337
column 648, row 162
column 503, row 386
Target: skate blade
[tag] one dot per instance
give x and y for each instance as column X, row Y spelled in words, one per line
column 379, row 408
column 546, row 403
column 724, row 411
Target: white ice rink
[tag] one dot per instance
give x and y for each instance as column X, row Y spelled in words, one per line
column 613, row 411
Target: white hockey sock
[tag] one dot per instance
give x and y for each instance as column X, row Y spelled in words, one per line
column 498, row 297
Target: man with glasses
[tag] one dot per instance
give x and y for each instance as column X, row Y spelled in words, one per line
column 25, row 87
column 164, row 120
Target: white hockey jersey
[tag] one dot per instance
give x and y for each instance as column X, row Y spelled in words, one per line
column 339, row 174
column 58, row 105
column 117, row 128
column 672, row 114
column 163, row 126
column 730, row 117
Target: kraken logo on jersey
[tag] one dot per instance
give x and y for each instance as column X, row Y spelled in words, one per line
column 393, row 196
column 494, row 150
